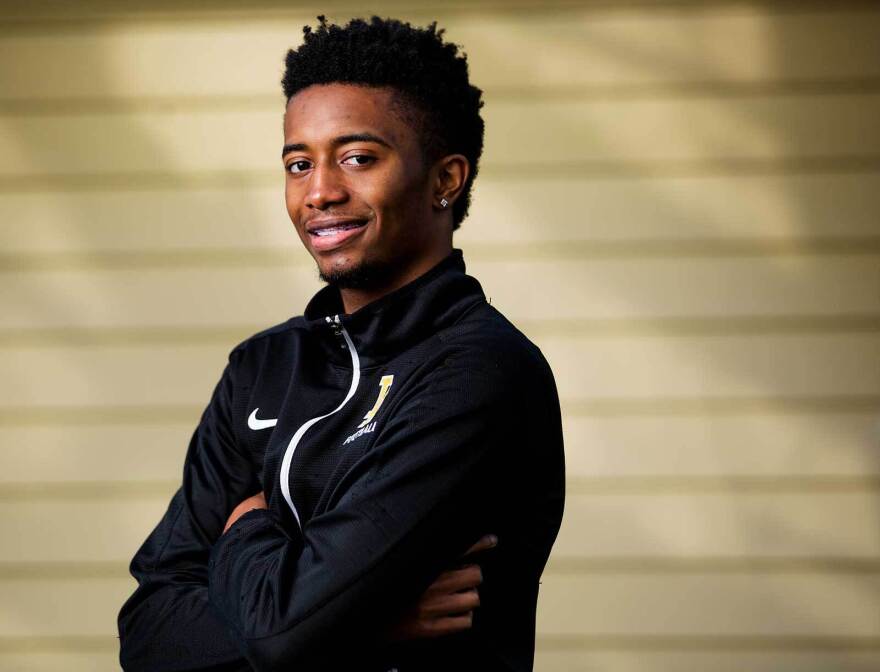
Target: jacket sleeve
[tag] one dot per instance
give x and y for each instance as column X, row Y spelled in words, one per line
column 409, row 508
column 167, row 623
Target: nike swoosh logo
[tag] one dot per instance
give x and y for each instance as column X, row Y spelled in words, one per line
column 255, row 423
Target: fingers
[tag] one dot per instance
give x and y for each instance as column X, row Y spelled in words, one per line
column 484, row 544
column 421, row 627
column 456, row 580
column 448, row 625
column 453, row 604
column 446, row 607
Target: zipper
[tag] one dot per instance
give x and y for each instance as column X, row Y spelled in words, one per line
column 340, row 333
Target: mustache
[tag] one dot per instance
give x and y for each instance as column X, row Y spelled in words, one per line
column 327, row 215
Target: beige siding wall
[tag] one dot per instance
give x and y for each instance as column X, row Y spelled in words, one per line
column 679, row 202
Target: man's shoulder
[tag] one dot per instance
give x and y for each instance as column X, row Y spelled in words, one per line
column 281, row 330
column 261, row 340
column 485, row 337
column 486, row 328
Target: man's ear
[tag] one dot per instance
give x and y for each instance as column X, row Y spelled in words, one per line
column 451, row 174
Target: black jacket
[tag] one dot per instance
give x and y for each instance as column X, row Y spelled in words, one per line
column 386, row 442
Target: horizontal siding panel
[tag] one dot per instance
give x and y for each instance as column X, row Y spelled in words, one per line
column 612, row 48
column 81, row 529
column 95, row 453
column 652, row 288
column 504, row 211
column 720, row 660
column 798, row 445
column 523, row 290
column 766, row 365
column 725, row 524
column 62, row 607
column 590, row 606
column 63, row 661
column 739, row 444
column 697, row 604
column 229, row 218
column 602, row 367
column 801, row 524
column 555, row 132
column 260, row 296
column 112, row 375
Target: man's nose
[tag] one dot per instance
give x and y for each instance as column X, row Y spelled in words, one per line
column 326, row 187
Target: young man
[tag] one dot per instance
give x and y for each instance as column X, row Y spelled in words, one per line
column 351, row 455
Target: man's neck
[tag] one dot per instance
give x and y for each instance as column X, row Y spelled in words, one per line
column 355, row 299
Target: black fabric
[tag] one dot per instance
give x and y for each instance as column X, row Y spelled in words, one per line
column 467, row 441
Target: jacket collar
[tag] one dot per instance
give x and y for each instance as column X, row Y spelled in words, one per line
column 383, row 328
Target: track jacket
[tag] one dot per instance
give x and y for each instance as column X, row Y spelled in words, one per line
column 386, row 443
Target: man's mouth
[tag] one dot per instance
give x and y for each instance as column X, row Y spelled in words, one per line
column 331, row 230
column 330, row 233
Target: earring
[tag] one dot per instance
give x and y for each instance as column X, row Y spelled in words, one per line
column 443, row 202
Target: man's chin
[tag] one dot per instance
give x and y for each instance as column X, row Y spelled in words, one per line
column 366, row 274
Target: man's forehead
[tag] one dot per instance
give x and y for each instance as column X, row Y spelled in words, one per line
column 342, row 98
column 327, row 111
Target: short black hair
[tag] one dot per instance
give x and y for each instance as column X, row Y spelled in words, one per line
column 430, row 76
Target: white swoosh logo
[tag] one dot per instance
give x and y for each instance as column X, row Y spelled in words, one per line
column 256, row 423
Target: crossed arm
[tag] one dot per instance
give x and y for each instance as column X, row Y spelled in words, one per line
column 208, row 600
column 446, row 607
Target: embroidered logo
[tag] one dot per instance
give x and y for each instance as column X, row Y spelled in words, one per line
column 256, row 423
column 367, row 426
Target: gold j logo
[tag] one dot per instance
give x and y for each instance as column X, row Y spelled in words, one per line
column 384, row 386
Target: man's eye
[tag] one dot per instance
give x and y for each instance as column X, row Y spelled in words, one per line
column 358, row 160
column 297, row 166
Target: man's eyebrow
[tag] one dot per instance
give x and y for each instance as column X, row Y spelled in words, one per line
column 340, row 140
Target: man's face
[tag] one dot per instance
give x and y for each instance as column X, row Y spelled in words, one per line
column 357, row 189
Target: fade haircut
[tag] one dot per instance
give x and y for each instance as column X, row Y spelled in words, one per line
column 428, row 75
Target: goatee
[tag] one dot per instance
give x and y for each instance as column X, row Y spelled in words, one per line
column 369, row 274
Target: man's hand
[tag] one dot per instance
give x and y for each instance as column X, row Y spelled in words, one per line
column 257, row 501
column 447, row 606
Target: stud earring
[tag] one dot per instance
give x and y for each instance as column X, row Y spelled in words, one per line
column 443, row 202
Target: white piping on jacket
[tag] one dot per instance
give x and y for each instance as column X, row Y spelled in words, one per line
column 291, row 447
